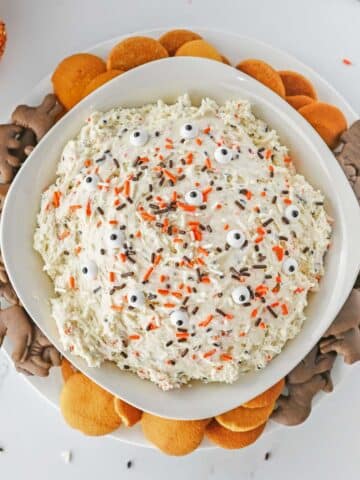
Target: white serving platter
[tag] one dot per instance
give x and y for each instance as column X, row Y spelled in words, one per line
column 235, row 48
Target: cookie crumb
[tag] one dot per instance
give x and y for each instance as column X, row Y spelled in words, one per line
column 66, row 456
column 267, row 456
column 129, row 464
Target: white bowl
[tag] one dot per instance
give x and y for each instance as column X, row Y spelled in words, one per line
column 168, row 79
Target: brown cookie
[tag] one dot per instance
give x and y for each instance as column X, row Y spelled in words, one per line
column 38, row 119
column 13, row 141
column 174, row 39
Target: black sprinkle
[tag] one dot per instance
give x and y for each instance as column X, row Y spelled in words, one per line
column 259, row 266
column 240, row 205
column 170, row 342
column 271, row 311
column 96, row 289
column 120, row 207
column 116, row 162
column 282, row 237
column 274, row 199
column 267, row 456
column 195, row 310
column 267, row 222
column 285, row 220
column 306, row 249
column 129, row 464
column 220, row 312
column 100, row 210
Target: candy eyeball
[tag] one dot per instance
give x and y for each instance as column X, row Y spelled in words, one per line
column 292, row 213
column 139, row 137
column 194, row 197
column 90, row 182
column 114, row 238
column 89, row 269
column 290, row 266
column 179, row 318
column 240, row 295
column 235, row 238
column 223, row 155
column 189, row 130
column 136, row 298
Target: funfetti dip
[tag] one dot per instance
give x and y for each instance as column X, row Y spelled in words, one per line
column 181, row 242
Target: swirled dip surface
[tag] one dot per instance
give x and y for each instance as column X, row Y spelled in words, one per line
column 181, row 242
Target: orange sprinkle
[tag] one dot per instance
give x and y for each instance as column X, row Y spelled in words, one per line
column 205, row 280
column 262, row 325
column 169, row 305
column 113, row 222
column 298, row 290
column 117, row 308
column 134, row 337
column 258, row 239
column 174, row 196
column 157, row 260
column 99, row 223
column 226, row 226
column 263, row 193
column 225, row 357
column 188, row 289
column 268, row 154
column 138, row 234
column 152, row 326
column 73, row 208
column 206, row 321
column 209, row 353
column 56, row 199
column 287, row 159
column 170, row 175
column 186, row 207
column 254, row 313
column 208, row 163
column 169, row 140
column 199, row 141
column 203, row 251
column 279, row 252
column 169, row 146
column 77, row 250
column 162, row 278
column 88, row 163
column 162, row 291
column 127, row 188
column 248, row 194
column 284, row 309
column 112, row 276
column 116, row 202
column 287, row 201
column 206, row 193
column 218, row 206
column 63, row 235
column 346, row 61
column 189, row 158
column 122, row 257
column 182, row 335
column 261, row 231
column 148, row 273
column 207, row 130
column 72, row 282
column 88, row 209
column 176, row 294
column 147, row 216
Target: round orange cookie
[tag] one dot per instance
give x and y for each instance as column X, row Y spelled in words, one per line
column 87, row 407
column 266, row 398
column 67, row 369
column 173, row 437
column 100, row 80
column 327, row 120
column 3, row 37
column 73, row 74
column 135, row 51
column 129, row 415
column 298, row 101
column 174, row 39
column 231, row 440
column 199, row 48
column 243, row 419
column 264, row 73
column 297, row 84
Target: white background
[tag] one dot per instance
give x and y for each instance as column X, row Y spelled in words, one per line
column 33, row 434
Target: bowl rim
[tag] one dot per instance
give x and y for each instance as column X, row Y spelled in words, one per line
column 348, row 195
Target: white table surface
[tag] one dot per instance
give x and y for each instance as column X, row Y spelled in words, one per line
column 320, row 33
